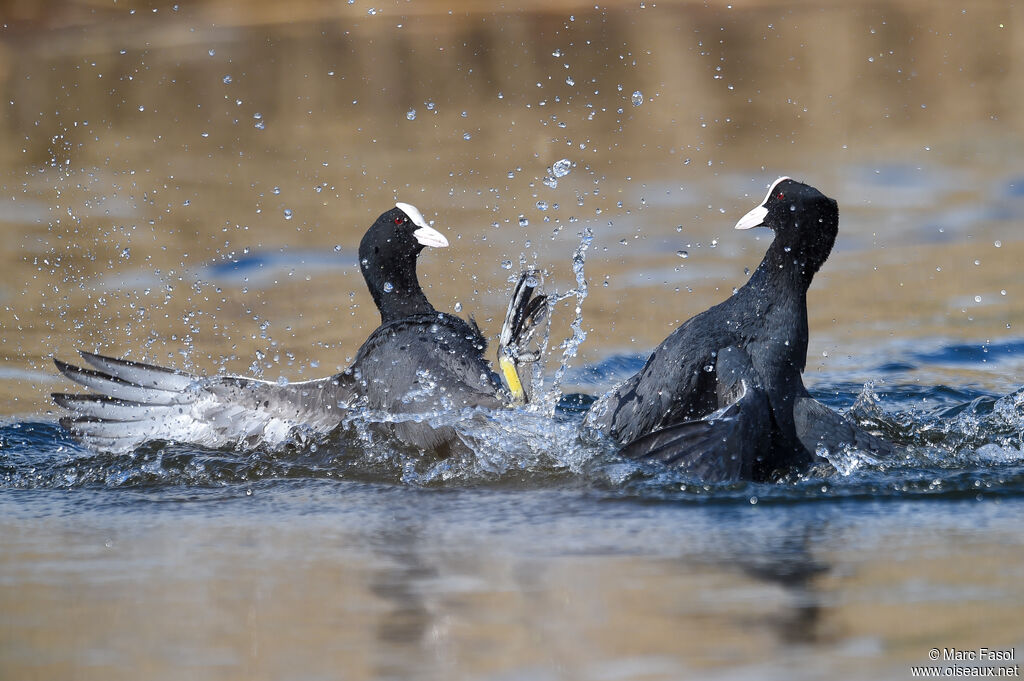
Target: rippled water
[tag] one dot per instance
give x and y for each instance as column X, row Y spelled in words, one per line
column 188, row 185
column 951, row 443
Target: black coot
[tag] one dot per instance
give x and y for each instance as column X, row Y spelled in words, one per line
column 722, row 397
column 418, row 360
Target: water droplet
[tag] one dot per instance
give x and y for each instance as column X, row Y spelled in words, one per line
column 637, row 98
column 288, row 214
column 977, row 299
column 569, row 81
column 998, row 244
column 211, row 52
column 458, row 307
column 523, row 222
column 550, row 182
column 466, row 136
column 561, row 167
column 506, row 264
column 542, row 205
column 556, row 53
column 388, row 287
column 411, row 114
column 227, row 79
column 683, row 254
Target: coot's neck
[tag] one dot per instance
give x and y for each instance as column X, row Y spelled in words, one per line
column 394, row 287
column 791, row 266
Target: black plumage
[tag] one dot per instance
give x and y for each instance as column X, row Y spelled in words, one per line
column 419, row 360
column 722, row 396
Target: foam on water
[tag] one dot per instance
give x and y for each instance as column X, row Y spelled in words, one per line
column 973, row 449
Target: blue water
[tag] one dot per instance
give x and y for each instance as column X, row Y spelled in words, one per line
column 952, row 442
column 347, row 551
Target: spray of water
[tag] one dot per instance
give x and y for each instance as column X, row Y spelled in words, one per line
column 549, row 400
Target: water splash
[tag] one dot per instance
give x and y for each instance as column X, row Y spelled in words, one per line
column 570, row 345
column 963, row 449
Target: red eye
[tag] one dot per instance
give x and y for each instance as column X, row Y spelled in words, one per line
column 399, row 220
column 780, row 196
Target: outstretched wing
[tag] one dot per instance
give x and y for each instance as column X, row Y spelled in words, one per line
column 133, row 403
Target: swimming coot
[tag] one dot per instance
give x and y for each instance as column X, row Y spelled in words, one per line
column 419, row 360
column 722, row 397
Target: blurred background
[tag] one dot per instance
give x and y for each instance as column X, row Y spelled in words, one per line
column 187, row 183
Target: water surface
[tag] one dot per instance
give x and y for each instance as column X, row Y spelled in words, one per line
column 187, row 184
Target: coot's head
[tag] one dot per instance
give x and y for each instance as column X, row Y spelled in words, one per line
column 401, row 232
column 387, row 258
column 804, row 220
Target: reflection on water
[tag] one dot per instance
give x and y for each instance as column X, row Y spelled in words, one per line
column 187, row 183
column 409, row 587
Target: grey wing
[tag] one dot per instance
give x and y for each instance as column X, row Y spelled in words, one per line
column 726, row 446
column 672, row 387
column 425, row 377
column 133, row 403
column 818, row 426
column 418, row 365
column 730, row 444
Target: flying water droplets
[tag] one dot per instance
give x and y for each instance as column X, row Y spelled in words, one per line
column 411, row 114
column 561, row 167
column 637, row 98
column 579, row 334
